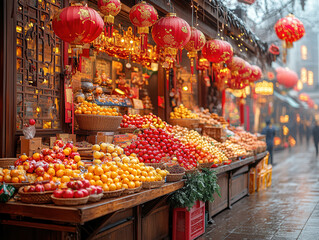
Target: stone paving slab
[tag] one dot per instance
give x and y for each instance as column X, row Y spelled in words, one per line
column 288, row 210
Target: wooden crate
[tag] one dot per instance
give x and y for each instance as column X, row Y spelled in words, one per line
column 29, row 146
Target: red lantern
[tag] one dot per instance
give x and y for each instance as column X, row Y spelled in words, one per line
column 237, row 66
column 110, row 8
column 171, row 33
column 273, row 49
column 311, row 103
column 143, row 16
column 256, row 73
column 195, row 44
column 289, row 29
column 287, row 78
column 217, row 51
column 77, row 24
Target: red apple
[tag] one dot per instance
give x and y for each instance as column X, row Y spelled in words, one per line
column 78, row 194
column 48, row 158
column 59, row 143
column 86, row 183
column 60, row 156
column 71, row 185
column 39, row 188
column 32, row 189
column 73, row 154
column 99, row 189
column 69, row 144
column 68, row 193
column 48, row 187
column 85, row 192
column 55, row 148
column 58, row 193
column 39, row 171
column 26, row 189
column 32, row 122
column 78, row 185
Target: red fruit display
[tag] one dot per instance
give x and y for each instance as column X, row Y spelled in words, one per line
column 39, row 188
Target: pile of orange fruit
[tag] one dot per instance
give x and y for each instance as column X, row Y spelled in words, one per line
column 113, row 170
column 13, row 176
column 92, row 108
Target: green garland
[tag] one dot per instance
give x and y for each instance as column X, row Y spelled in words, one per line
column 200, row 186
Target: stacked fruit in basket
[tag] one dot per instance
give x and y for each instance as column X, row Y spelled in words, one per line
column 41, row 187
column 231, row 150
column 59, row 164
column 113, row 170
column 221, row 120
column 92, row 108
column 205, row 118
column 182, row 112
column 153, row 145
column 146, row 121
column 204, row 147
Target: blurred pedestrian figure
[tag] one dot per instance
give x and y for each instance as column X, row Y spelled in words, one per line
column 308, row 132
column 315, row 133
column 301, row 131
column 270, row 134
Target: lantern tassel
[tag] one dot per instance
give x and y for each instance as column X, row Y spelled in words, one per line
column 192, row 66
column 167, row 79
column 143, row 42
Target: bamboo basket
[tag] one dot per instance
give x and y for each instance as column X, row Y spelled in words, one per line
column 185, row 122
column 111, row 194
column 7, row 162
column 95, row 197
column 35, row 197
column 132, row 190
column 69, row 201
column 174, row 177
column 214, row 132
column 150, row 185
column 98, row 122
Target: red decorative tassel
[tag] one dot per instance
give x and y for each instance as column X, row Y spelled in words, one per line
column 167, row 79
column 143, row 42
column 192, row 66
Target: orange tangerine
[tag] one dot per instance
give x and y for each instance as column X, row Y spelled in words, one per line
column 114, row 175
column 81, row 164
column 65, row 179
column 47, row 176
column 118, row 185
column 77, row 158
column 99, row 183
column 131, row 185
column 108, row 174
column 62, row 185
column 39, row 179
column 130, row 177
column 142, row 179
column 98, row 170
column 21, row 178
column 1, row 178
column 7, row 178
column 116, row 180
column 96, row 177
column 92, row 182
column 144, row 173
column 112, row 187
column 124, row 185
column 104, row 178
column 97, row 155
column 137, row 183
column 60, row 173
column 15, row 180
column 68, row 172
column 105, row 187
column 51, row 171
column 134, row 172
column 88, row 176
column 126, row 181
column 91, row 169
column 114, row 168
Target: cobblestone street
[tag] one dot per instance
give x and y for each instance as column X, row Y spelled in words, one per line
column 287, row 210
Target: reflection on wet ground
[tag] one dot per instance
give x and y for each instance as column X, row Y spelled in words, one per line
column 287, row 210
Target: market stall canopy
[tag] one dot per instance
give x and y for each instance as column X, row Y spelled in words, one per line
column 287, row 99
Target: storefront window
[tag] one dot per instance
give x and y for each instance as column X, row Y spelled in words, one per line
column 38, row 64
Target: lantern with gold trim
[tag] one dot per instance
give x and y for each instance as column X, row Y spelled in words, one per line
column 77, row 24
column 217, row 51
column 110, row 8
column 143, row 16
column 256, row 73
column 195, row 44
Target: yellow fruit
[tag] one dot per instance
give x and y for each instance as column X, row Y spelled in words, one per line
column 68, row 172
column 99, row 183
column 112, row 187
column 65, row 179
column 114, row 175
column 92, row 182
column 105, row 187
column 125, row 186
column 118, row 185
column 96, row 177
column 131, row 185
column 60, row 173
column 98, row 170
column 97, row 155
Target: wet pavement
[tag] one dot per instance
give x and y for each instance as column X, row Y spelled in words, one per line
column 288, row 210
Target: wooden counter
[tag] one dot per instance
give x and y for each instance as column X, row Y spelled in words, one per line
column 143, row 215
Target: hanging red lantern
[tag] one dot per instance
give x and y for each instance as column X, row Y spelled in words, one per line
column 77, row 24
column 217, row 51
column 287, row 78
column 289, row 29
column 110, row 8
column 237, row 66
column 256, row 73
column 273, row 49
column 171, row 33
column 143, row 16
column 195, row 44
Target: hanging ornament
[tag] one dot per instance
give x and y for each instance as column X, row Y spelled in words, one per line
column 171, row 34
column 286, row 77
column 217, row 51
column 256, row 73
column 195, row 44
column 143, row 16
column 110, row 8
column 77, row 24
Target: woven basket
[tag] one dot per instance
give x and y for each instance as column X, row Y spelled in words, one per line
column 188, row 123
column 95, row 197
column 174, row 177
column 69, row 201
column 35, row 197
column 19, row 185
column 150, row 185
column 98, row 122
column 111, row 194
column 132, row 190
column 191, row 171
column 7, row 162
column 205, row 165
column 155, row 165
column 127, row 130
column 213, row 132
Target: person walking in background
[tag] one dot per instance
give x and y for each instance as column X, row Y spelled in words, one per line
column 315, row 133
column 308, row 132
column 270, row 134
column 301, row 131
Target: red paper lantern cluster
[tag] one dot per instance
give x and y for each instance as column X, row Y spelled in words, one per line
column 110, row 8
column 195, row 44
column 289, row 29
column 143, row 16
column 256, row 73
column 217, row 51
column 287, row 78
column 77, row 24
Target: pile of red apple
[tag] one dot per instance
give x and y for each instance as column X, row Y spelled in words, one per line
column 154, row 144
column 146, row 121
column 61, row 153
column 78, row 189
column 50, row 186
